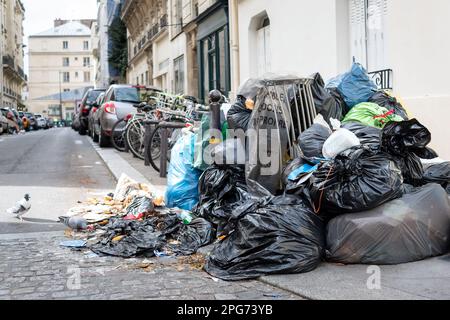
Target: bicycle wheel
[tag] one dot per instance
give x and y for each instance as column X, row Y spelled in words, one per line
column 118, row 135
column 135, row 135
column 154, row 148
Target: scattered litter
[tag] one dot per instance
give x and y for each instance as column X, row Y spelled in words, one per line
column 73, row 243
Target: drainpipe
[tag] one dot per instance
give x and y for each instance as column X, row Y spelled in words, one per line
column 236, row 69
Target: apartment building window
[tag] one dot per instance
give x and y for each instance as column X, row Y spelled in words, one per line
column 137, row 80
column 87, row 76
column 178, row 16
column 86, row 45
column 86, row 62
column 368, row 20
column 76, row 74
column 66, row 77
column 65, row 45
column 147, row 82
column 142, row 78
column 178, row 67
column 66, row 90
column 214, row 63
column 263, row 52
column 66, row 62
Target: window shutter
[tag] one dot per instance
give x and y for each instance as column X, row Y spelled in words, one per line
column 358, row 31
column 376, row 29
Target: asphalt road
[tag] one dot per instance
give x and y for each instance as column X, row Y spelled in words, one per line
column 57, row 168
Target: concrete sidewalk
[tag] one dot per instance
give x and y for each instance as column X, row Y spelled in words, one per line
column 428, row 279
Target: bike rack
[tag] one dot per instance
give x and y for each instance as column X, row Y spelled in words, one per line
column 164, row 144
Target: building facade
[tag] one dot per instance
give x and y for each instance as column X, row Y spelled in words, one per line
column 181, row 46
column 408, row 41
column 105, row 74
column 60, row 68
column 12, row 75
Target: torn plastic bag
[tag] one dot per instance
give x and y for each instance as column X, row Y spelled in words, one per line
column 135, row 238
column 124, row 187
column 371, row 114
column 338, row 142
column 140, row 206
column 366, row 134
column 311, row 140
column 221, row 189
column 269, row 236
column 296, row 175
column 182, row 179
column 438, row 173
column 355, row 86
column 192, row 237
column 389, row 102
column 408, row 229
column 327, row 104
column 358, row 179
column 400, row 140
column 239, row 115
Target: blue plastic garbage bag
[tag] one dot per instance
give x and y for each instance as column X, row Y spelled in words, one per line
column 355, row 86
column 182, row 179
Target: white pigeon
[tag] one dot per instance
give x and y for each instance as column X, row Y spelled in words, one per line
column 21, row 208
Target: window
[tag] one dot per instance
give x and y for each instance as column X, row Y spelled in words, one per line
column 86, row 45
column 263, row 54
column 66, row 62
column 178, row 16
column 137, row 80
column 178, row 67
column 65, row 45
column 66, row 90
column 368, row 33
column 76, row 74
column 194, row 9
column 147, row 78
column 86, row 62
column 214, row 63
column 87, row 76
column 142, row 78
column 66, row 77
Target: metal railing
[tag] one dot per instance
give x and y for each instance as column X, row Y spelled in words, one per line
column 383, row 79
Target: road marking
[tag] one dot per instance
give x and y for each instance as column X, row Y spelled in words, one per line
column 98, row 163
column 80, row 156
column 86, row 167
column 78, row 142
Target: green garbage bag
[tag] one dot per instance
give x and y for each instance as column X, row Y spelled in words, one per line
column 371, row 114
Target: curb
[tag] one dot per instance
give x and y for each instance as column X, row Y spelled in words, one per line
column 118, row 166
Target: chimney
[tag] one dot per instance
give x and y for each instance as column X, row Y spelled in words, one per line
column 58, row 22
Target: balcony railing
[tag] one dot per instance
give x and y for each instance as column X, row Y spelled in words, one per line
column 383, row 79
column 163, row 21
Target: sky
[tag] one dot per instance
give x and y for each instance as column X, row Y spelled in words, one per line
column 39, row 15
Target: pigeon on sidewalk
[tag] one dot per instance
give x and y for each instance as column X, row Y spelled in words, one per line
column 21, row 207
column 74, row 223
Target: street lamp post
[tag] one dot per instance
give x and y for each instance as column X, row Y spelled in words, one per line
column 60, row 97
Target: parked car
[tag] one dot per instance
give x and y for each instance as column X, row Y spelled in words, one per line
column 81, row 117
column 33, row 122
column 11, row 120
column 41, row 121
column 3, row 124
column 94, row 109
column 119, row 101
column 18, row 119
column 50, row 123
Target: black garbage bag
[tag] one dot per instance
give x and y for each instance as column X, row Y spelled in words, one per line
column 327, row 104
column 438, row 173
column 366, row 134
column 357, row 180
column 400, row 139
column 425, row 153
column 271, row 235
column 131, row 238
column 191, row 237
column 221, row 189
column 311, row 141
column 383, row 99
column 408, row 229
column 139, row 238
column 238, row 116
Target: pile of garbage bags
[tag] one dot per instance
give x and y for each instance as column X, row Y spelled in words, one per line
column 359, row 185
